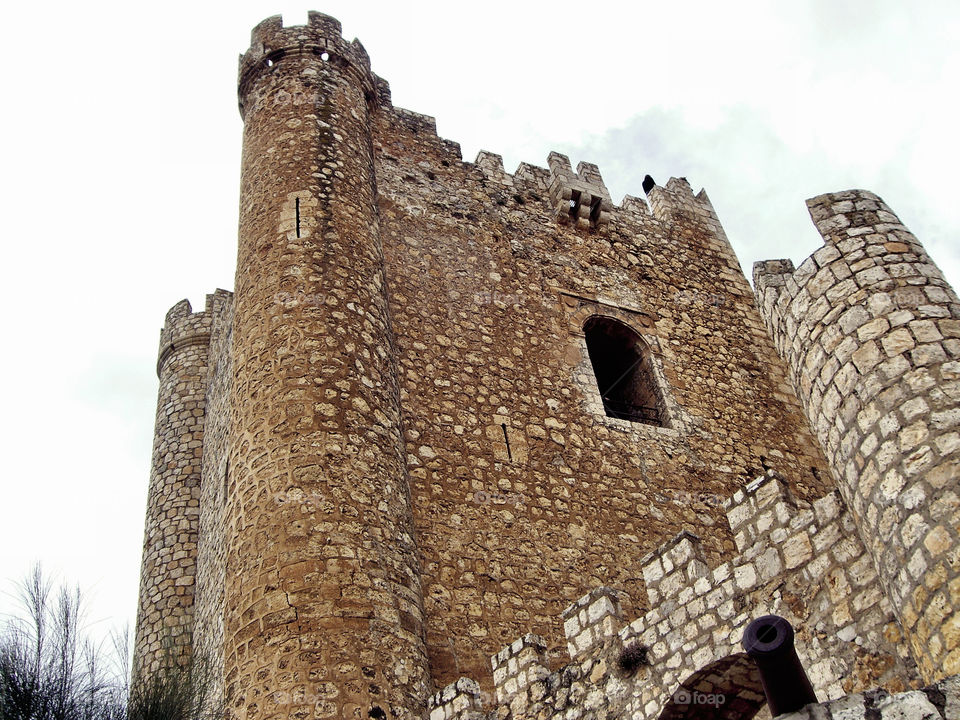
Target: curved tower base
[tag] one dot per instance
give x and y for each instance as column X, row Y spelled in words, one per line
column 871, row 331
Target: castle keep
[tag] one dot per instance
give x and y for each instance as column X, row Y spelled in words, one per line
column 471, row 444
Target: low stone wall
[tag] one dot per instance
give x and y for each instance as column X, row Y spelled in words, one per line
column 931, row 703
column 803, row 561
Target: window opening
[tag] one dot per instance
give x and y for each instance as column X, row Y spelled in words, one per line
column 621, row 365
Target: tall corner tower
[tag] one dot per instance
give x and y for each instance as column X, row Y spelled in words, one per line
column 323, row 584
column 871, row 330
column 164, row 630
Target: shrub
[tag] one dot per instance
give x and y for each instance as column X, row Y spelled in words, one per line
column 633, row 656
column 51, row 670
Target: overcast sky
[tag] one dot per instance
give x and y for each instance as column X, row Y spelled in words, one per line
column 120, row 170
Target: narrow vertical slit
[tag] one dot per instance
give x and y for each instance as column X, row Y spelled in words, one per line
column 506, row 439
column 575, row 204
column 595, row 211
column 226, row 479
column 298, row 217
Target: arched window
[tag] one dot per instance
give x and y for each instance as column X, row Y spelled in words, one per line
column 621, row 364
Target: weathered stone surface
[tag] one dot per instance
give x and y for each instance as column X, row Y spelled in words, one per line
column 388, row 454
column 165, row 617
column 902, row 399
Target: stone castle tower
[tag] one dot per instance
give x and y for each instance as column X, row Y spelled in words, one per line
column 447, row 407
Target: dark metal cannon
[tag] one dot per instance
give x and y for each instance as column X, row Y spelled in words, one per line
column 768, row 640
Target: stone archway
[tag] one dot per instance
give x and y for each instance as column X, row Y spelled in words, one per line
column 727, row 689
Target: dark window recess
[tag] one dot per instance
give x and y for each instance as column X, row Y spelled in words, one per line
column 621, row 364
column 298, row 217
column 576, row 200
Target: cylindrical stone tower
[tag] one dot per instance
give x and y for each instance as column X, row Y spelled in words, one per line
column 164, row 629
column 324, row 612
column 871, row 331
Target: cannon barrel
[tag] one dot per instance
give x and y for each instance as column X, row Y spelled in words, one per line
column 768, row 640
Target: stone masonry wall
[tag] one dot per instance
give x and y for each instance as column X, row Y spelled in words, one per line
column 387, row 457
column 525, row 493
column 871, row 331
column 164, row 630
column 803, row 561
column 211, row 546
column 324, row 610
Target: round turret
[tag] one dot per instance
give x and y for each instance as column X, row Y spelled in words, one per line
column 324, row 607
column 871, row 330
column 318, row 40
column 164, row 631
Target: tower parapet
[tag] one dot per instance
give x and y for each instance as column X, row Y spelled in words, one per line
column 182, row 328
column 459, row 700
column 578, row 197
column 871, row 331
column 320, row 40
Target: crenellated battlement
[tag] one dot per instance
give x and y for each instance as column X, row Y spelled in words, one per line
column 673, row 566
column 800, row 560
column 848, row 213
column 459, row 700
column 593, row 622
column 182, row 327
column 518, row 666
column 491, row 165
column 578, row 197
column 321, row 37
column 416, row 122
column 871, row 332
column 676, row 201
column 757, row 510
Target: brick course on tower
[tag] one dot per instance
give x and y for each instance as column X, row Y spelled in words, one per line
column 447, row 407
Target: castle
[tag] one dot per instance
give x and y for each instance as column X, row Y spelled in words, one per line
column 471, row 444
